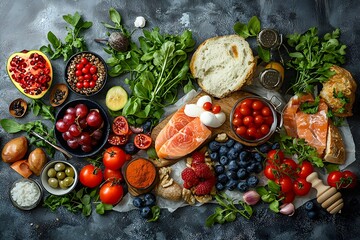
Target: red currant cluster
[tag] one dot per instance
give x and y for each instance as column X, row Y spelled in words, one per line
column 86, row 74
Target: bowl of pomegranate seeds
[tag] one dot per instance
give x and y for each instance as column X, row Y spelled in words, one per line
column 86, row 73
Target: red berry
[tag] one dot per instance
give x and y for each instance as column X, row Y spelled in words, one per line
column 204, row 188
column 203, row 171
column 186, row 185
column 197, row 157
column 85, row 70
column 189, row 177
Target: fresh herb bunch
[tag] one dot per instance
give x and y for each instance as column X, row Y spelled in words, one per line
column 310, row 107
column 115, row 17
column 228, row 211
column 343, row 100
column 40, row 108
column 252, row 29
column 270, row 194
column 73, row 41
column 11, row 126
column 157, row 69
column 77, row 201
column 313, row 57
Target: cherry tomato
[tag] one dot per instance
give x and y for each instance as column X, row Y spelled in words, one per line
column 258, row 119
column 245, row 111
column 78, row 73
column 237, row 114
column 114, row 158
column 246, row 103
column 142, row 141
column 248, row 120
column 275, row 157
column 79, row 85
column 80, row 78
column 84, row 61
column 120, row 126
column 92, row 84
column 85, row 70
column 285, row 183
column 301, row 187
column 252, row 132
column 257, row 105
column 207, row 106
column 288, row 197
column 90, row 176
column 349, row 179
column 264, row 129
column 94, row 77
column 265, row 111
column 216, row 109
column 237, row 122
column 241, row 130
column 334, row 179
column 269, row 120
column 111, row 193
column 305, row 169
column 289, row 166
column 256, row 113
column 79, row 66
column 112, row 174
column 271, row 172
column 86, row 84
column 93, row 69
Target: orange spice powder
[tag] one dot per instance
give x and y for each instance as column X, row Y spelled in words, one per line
column 140, row 173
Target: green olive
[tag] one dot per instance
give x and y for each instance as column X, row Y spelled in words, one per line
column 51, row 173
column 60, row 175
column 59, row 167
column 68, row 181
column 53, row 182
column 69, row 171
column 62, row 184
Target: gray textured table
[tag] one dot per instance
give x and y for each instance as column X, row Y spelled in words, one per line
column 24, row 25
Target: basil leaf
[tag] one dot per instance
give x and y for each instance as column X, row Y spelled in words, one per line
column 11, row 126
column 264, row 54
column 53, row 39
column 254, row 26
column 155, row 210
column 115, row 16
column 274, row 206
column 242, row 30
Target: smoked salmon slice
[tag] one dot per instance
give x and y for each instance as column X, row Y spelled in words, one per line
column 185, row 141
column 175, row 124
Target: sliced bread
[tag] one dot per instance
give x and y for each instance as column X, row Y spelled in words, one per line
column 335, row 149
column 223, row 65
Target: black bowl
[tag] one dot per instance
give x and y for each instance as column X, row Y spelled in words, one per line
column 106, row 128
column 70, row 77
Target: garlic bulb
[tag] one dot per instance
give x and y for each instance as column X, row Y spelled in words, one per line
column 287, row 209
column 251, row 197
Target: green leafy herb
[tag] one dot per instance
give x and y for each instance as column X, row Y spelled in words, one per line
column 310, row 107
column 40, row 108
column 298, row 147
column 11, row 126
column 151, row 152
column 270, row 194
column 227, row 212
column 343, row 100
column 331, row 167
column 73, row 41
column 337, row 121
column 252, row 29
column 115, row 17
column 313, row 57
column 155, row 210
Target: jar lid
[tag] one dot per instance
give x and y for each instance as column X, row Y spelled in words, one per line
column 270, row 79
column 269, row 38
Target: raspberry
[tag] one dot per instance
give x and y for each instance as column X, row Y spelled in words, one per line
column 204, row 188
column 186, row 185
column 198, row 158
column 203, row 171
column 189, row 177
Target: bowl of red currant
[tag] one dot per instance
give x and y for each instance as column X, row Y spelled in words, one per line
column 86, row 73
column 82, row 127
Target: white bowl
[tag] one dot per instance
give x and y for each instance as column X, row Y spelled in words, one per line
column 38, row 200
column 57, row 191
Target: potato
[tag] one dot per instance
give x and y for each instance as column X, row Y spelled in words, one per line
column 14, row 150
column 37, row 160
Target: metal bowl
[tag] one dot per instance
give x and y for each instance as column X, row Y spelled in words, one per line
column 16, row 202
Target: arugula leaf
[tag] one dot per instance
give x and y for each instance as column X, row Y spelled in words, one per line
column 40, row 108
column 270, row 194
column 343, row 100
column 155, row 210
column 310, row 107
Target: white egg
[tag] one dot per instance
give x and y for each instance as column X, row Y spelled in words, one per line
column 209, row 119
column 202, row 100
column 221, row 117
column 193, row 110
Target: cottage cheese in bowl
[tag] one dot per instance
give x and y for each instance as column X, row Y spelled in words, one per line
column 25, row 194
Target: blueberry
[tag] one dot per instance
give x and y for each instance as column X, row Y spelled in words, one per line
column 251, row 168
column 309, row 205
column 231, row 185
column 220, row 186
column 244, row 156
column 275, row 146
column 232, row 154
column 258, row 167
column 231, row 175
column 138, row 202
column 238, row 146
column 147, row 126
column 222, row 178
column 150, row 199
column 312, row 214
column 145, row 212
column 241, row 173
column 252, row 181
column 264, row 148
column 233, row 166
column 223, row 150
column 214, row 146
column 219, row 169
column 130, row 148
column 257, row 156
column 224, row 160
column 230, row 143
column 243, row 163
column 242, row 186
column 214, row 156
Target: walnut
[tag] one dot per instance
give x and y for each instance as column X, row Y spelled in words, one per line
column 188, row 196
column 221, row 137
column 203, row 199
column 167, row 187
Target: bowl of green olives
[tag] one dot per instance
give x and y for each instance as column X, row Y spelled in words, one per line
column 59, row 177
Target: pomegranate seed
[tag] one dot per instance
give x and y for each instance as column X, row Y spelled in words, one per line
column 32, row 55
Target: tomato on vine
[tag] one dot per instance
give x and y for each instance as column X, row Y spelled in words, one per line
column 111, row 192
column 275, row 157
column 305, row 169
column 90, row 176
column 301, row 187
column 114, row 158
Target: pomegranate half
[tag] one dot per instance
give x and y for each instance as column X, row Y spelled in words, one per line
column 31, row 72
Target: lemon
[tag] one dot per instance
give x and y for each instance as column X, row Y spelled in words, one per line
column 116, row 98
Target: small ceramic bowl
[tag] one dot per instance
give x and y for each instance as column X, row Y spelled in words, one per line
column 22, row 186
column 57, row 191
column 58, row 94
column 86, row 86
column 264, row 128
column 18, row 108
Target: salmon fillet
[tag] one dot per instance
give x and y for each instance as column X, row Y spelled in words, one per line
column 185, row 141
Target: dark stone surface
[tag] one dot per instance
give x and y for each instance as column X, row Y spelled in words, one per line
column 24, row 25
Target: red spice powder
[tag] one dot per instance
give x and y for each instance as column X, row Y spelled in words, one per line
column 140, row 173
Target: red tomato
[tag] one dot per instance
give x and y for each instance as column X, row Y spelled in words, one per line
column 216, row 109
column 289, row 166
column 256, row 113
column 86, row 84
column 90, row 176
column 114, row 158
column 237, row 122
column 275, row 157
column 207, row 106
column 241, row 130
column 269, row 120
column 334, row 179
column 120, row 126
column 257, row 105
column 246, row 103
column 285, row 183
column 84, row 61
column 305, row 169
column 266, row 111
column 237, row 114
column 112, row 174
column 142, row 141
column 248, row 120
column 288, row 197
column 111, row 193
column 264, row 129
column 252, row 132
column 258, row 119
column 246, row 111
column 271, row 172
column 349, row 179
column 301, row 187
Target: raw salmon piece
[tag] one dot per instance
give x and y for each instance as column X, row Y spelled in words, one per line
column 185, row 141
column 175, row 124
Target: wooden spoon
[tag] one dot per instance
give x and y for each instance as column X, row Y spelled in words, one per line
column 58, row 94
column 18, row 108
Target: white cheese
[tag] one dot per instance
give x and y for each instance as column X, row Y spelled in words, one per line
column 140, row 22
column 25, row 193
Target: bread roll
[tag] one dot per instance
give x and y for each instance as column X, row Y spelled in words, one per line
column 335, row 149
column 223, row 65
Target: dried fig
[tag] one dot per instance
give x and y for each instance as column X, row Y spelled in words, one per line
column 14, row 150
column 37, row 160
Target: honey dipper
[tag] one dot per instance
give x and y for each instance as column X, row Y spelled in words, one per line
column 327, row 196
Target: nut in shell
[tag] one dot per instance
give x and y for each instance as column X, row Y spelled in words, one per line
column 18, row 108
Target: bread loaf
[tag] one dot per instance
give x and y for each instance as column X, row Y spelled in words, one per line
column 335, row 149
column 223, row 65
